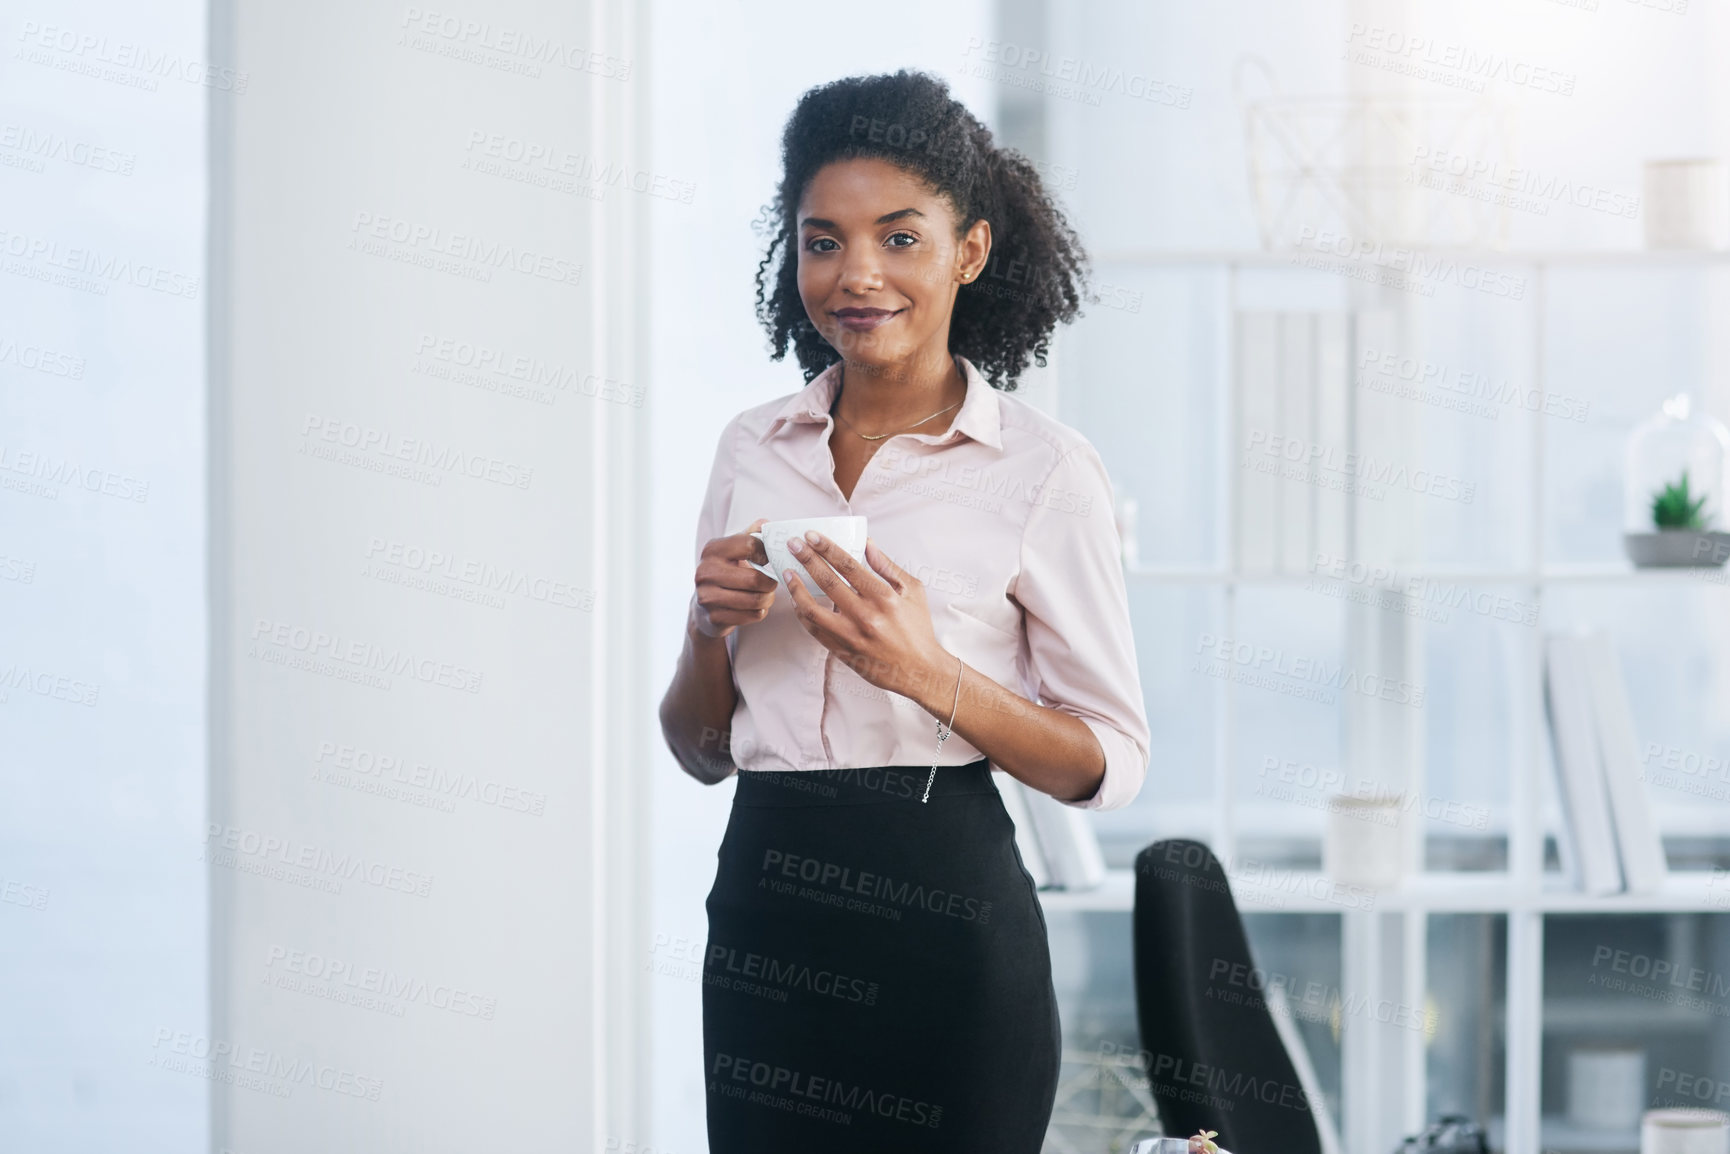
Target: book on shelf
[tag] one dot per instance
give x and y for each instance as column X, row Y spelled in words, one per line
column 1587, row 843
column 1609, row 838
column 1637, row 838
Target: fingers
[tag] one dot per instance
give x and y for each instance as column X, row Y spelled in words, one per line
column 813, row 616
column 740, row 546
column 824, row 554
column 732, row 573
column 714, row 597
column 824, row 575
column 898, row 578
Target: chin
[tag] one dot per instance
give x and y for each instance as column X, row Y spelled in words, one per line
column 868, row 353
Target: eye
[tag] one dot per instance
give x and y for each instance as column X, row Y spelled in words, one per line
column 811, row 245
column 895, row 236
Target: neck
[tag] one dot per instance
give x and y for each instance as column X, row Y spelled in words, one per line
column 884, row 397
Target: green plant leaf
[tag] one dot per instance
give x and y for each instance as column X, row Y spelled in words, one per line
column 1674, row 507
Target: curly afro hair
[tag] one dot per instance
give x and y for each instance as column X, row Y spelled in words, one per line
column 1036, row 274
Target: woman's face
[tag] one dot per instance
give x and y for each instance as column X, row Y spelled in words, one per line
column 880, row 261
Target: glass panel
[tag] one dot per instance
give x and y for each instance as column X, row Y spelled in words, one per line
column 1477, row 640
column 1104, row 1096
column 1466, row 964
column 1665, row 632
column 1177, row 799
column 1300, row 954
column 1289, row 675
column 1602, row 352
column 1636, row 1016
column 1141, row 376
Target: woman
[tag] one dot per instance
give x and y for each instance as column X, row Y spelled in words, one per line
column 877, row 976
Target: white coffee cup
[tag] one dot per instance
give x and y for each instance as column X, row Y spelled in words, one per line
column 847, row 532
column 1361, row 845
column 1684, row 1130
column 1687, row 204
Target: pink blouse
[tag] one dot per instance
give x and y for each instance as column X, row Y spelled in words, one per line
column 1007, row 519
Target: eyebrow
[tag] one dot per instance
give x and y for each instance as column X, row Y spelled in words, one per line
column 886, row 218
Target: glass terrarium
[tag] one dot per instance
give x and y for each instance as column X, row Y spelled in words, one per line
column 1673, row 488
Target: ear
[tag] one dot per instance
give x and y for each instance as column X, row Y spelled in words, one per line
column 974, row 252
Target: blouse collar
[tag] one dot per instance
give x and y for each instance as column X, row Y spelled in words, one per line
column 979, row 416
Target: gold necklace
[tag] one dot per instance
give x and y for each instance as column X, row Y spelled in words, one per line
column 836, row 410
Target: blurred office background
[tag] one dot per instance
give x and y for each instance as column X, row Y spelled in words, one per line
column 360, row 372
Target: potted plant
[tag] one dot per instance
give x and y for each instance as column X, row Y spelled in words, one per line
column 1675, row 489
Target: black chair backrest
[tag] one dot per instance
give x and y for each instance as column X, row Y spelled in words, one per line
column 1214, row 1058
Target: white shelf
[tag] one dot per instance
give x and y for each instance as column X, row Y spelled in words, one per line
column 1560, row 575
column 1386, row 957
column 1561, row 1136
column 1305, row 891
column 1275, row 258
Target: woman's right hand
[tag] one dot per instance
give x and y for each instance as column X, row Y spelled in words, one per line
column 729, row 592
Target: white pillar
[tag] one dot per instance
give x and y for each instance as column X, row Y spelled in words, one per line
column 426, row 472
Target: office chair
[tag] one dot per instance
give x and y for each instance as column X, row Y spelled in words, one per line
column 1214, row 1050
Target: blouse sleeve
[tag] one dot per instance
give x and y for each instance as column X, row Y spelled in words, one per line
column 712, row 517
column 1072, row 591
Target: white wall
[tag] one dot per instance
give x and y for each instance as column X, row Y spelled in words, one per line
column 102, row 897
column 361, row 226
column 726, row 77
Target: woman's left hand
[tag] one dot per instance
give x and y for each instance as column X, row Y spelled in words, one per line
column 879, row 623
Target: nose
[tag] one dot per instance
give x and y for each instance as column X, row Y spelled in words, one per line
column 861, row 274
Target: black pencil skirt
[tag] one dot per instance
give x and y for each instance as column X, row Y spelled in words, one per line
column 877, row 977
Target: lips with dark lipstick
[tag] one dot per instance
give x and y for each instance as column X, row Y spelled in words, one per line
column 858, row 320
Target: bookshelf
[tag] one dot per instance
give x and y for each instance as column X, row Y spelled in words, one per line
column 1384, row 949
